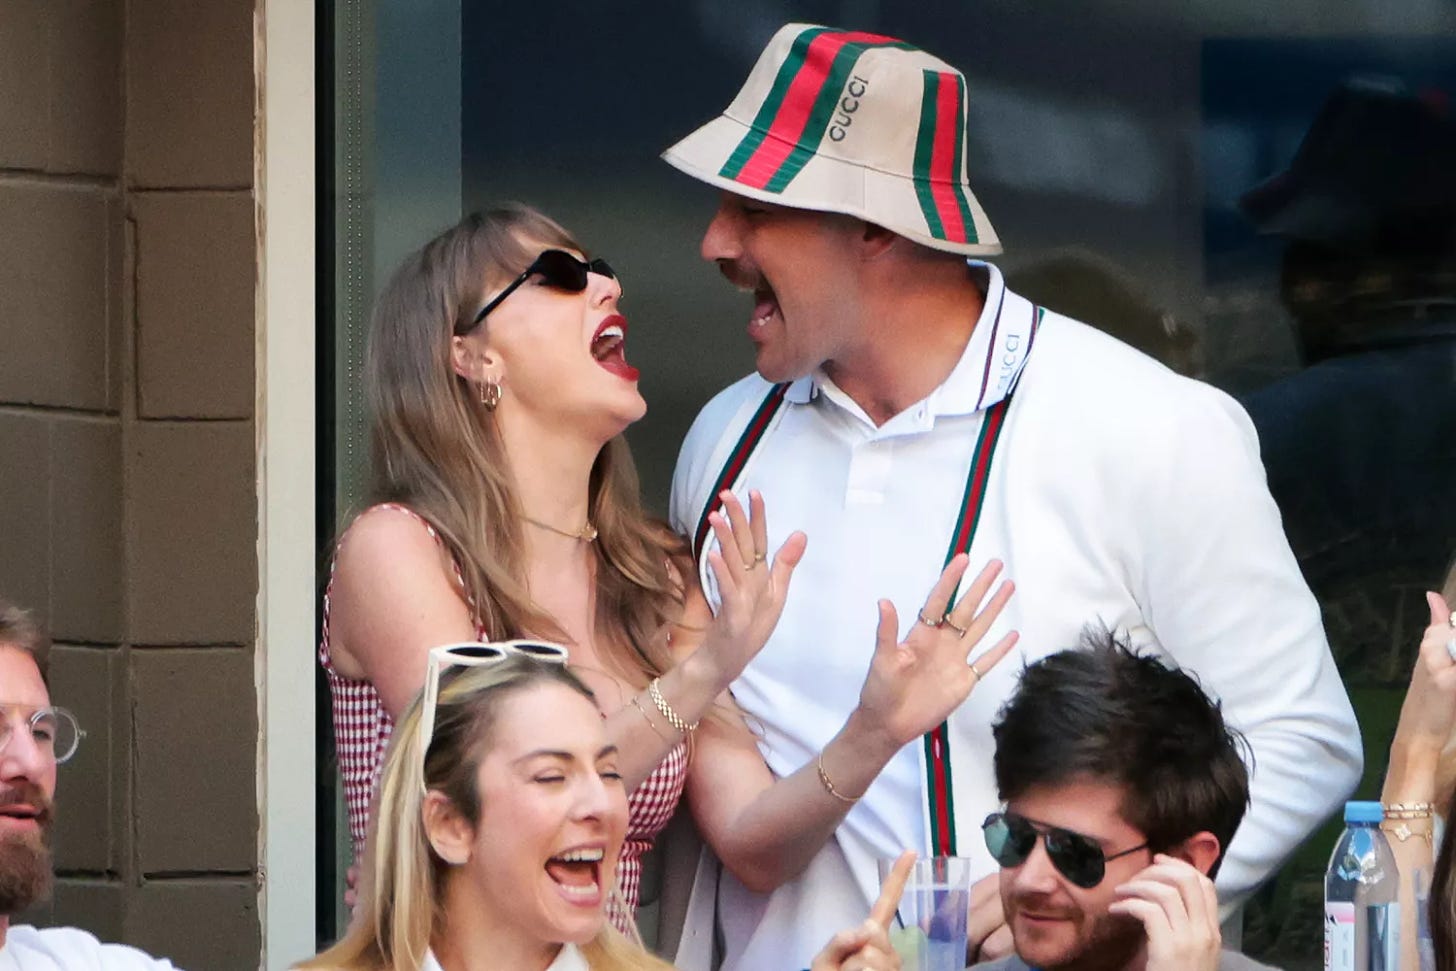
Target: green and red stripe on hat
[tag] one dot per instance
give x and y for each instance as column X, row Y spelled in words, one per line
column 851, row 122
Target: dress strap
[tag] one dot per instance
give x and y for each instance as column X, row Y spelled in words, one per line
column 429, row 527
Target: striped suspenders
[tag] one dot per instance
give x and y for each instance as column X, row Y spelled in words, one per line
column 936, row 743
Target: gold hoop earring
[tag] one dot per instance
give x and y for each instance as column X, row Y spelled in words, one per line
column 490, row 394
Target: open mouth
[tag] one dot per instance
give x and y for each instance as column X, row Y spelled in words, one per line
column 609, row 346
column 578, row 873
column 765, row 307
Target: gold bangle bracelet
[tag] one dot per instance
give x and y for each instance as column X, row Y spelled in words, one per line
column 1409, row 813
column 829, row 786
column 673, row 718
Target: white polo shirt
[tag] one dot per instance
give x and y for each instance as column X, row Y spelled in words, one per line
column 69, row 949
column 1120, row 492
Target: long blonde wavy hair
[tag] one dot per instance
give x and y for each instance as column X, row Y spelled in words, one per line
column 403, row 879
column 437, row 450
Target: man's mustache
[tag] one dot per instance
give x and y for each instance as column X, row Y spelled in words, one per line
column 737, row 275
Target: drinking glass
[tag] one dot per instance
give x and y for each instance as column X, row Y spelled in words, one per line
column 930, row 925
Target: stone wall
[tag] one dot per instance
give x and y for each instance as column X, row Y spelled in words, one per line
column 127, row 482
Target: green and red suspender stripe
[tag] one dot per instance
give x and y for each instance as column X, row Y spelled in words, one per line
column 938, row 161
column 737, row 459
column 936, row 741
column 792, row 120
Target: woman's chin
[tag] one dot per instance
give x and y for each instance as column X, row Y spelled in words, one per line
column 579, row 929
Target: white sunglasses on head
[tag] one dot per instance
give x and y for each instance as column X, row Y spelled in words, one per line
column 473, row 654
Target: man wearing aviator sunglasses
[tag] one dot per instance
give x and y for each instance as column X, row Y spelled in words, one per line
column 1122, row 786
column 35, row 737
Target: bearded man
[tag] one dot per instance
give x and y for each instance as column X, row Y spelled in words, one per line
column 35, row 738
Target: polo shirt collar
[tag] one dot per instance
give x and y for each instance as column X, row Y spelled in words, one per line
column 977, row 382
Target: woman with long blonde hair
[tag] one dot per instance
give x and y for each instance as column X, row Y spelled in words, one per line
column 500, row 820
column 504, row 504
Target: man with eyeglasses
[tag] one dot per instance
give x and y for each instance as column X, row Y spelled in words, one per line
column 35, row 737
column 909, row 406
column 1122, row 787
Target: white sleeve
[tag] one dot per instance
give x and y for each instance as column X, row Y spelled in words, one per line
column 1221, row 591
column 707, row 446
column 73, row 949
column 118, row 957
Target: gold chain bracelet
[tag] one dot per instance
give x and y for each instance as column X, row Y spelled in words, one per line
column 1403, row 832
column 1411, row 810
column 829, row 786
column 637, row 703
column 673, row 718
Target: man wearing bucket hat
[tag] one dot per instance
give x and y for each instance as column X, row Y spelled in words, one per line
column 907, row 408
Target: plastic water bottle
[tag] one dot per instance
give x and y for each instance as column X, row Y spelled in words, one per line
column 1362, row 915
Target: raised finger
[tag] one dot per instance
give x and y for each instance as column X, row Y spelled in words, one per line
column 1200, row 900
column 784, row 561
column 1440, row 611
column 883, row 911
column 1153, row 918
column 1163, row 895
column 992, row 657
column 725, row 575
column 887, row 631
column 758, row 521
column 977, row 622
column 938, row 600
column 742, row 531
column 728, row 544
column 976, row 591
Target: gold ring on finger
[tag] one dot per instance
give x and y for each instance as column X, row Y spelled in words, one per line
column 960, row 631
column 928, row 622
column 759, row 558
column 976, row 671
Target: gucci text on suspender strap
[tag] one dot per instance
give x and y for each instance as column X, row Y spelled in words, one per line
column 937, row 741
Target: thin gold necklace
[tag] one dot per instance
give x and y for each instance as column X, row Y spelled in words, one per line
column 586, row 534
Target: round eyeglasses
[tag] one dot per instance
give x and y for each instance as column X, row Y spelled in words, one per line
column 53, row 730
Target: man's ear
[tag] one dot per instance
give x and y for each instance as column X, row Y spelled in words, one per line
column 1201, row 851
column 449, row 832
column 875, row 241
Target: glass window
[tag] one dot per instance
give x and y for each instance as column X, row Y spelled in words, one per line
column 1257, row 195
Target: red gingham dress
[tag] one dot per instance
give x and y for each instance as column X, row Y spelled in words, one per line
column 361, row 736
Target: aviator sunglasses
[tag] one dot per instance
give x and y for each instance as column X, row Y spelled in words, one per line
column 1011, row 838
column 473, row 654
column 558, row 269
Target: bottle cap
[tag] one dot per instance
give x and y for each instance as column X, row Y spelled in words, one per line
column 1364, row 812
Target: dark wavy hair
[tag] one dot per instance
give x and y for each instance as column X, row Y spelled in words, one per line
column 1107, row 712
